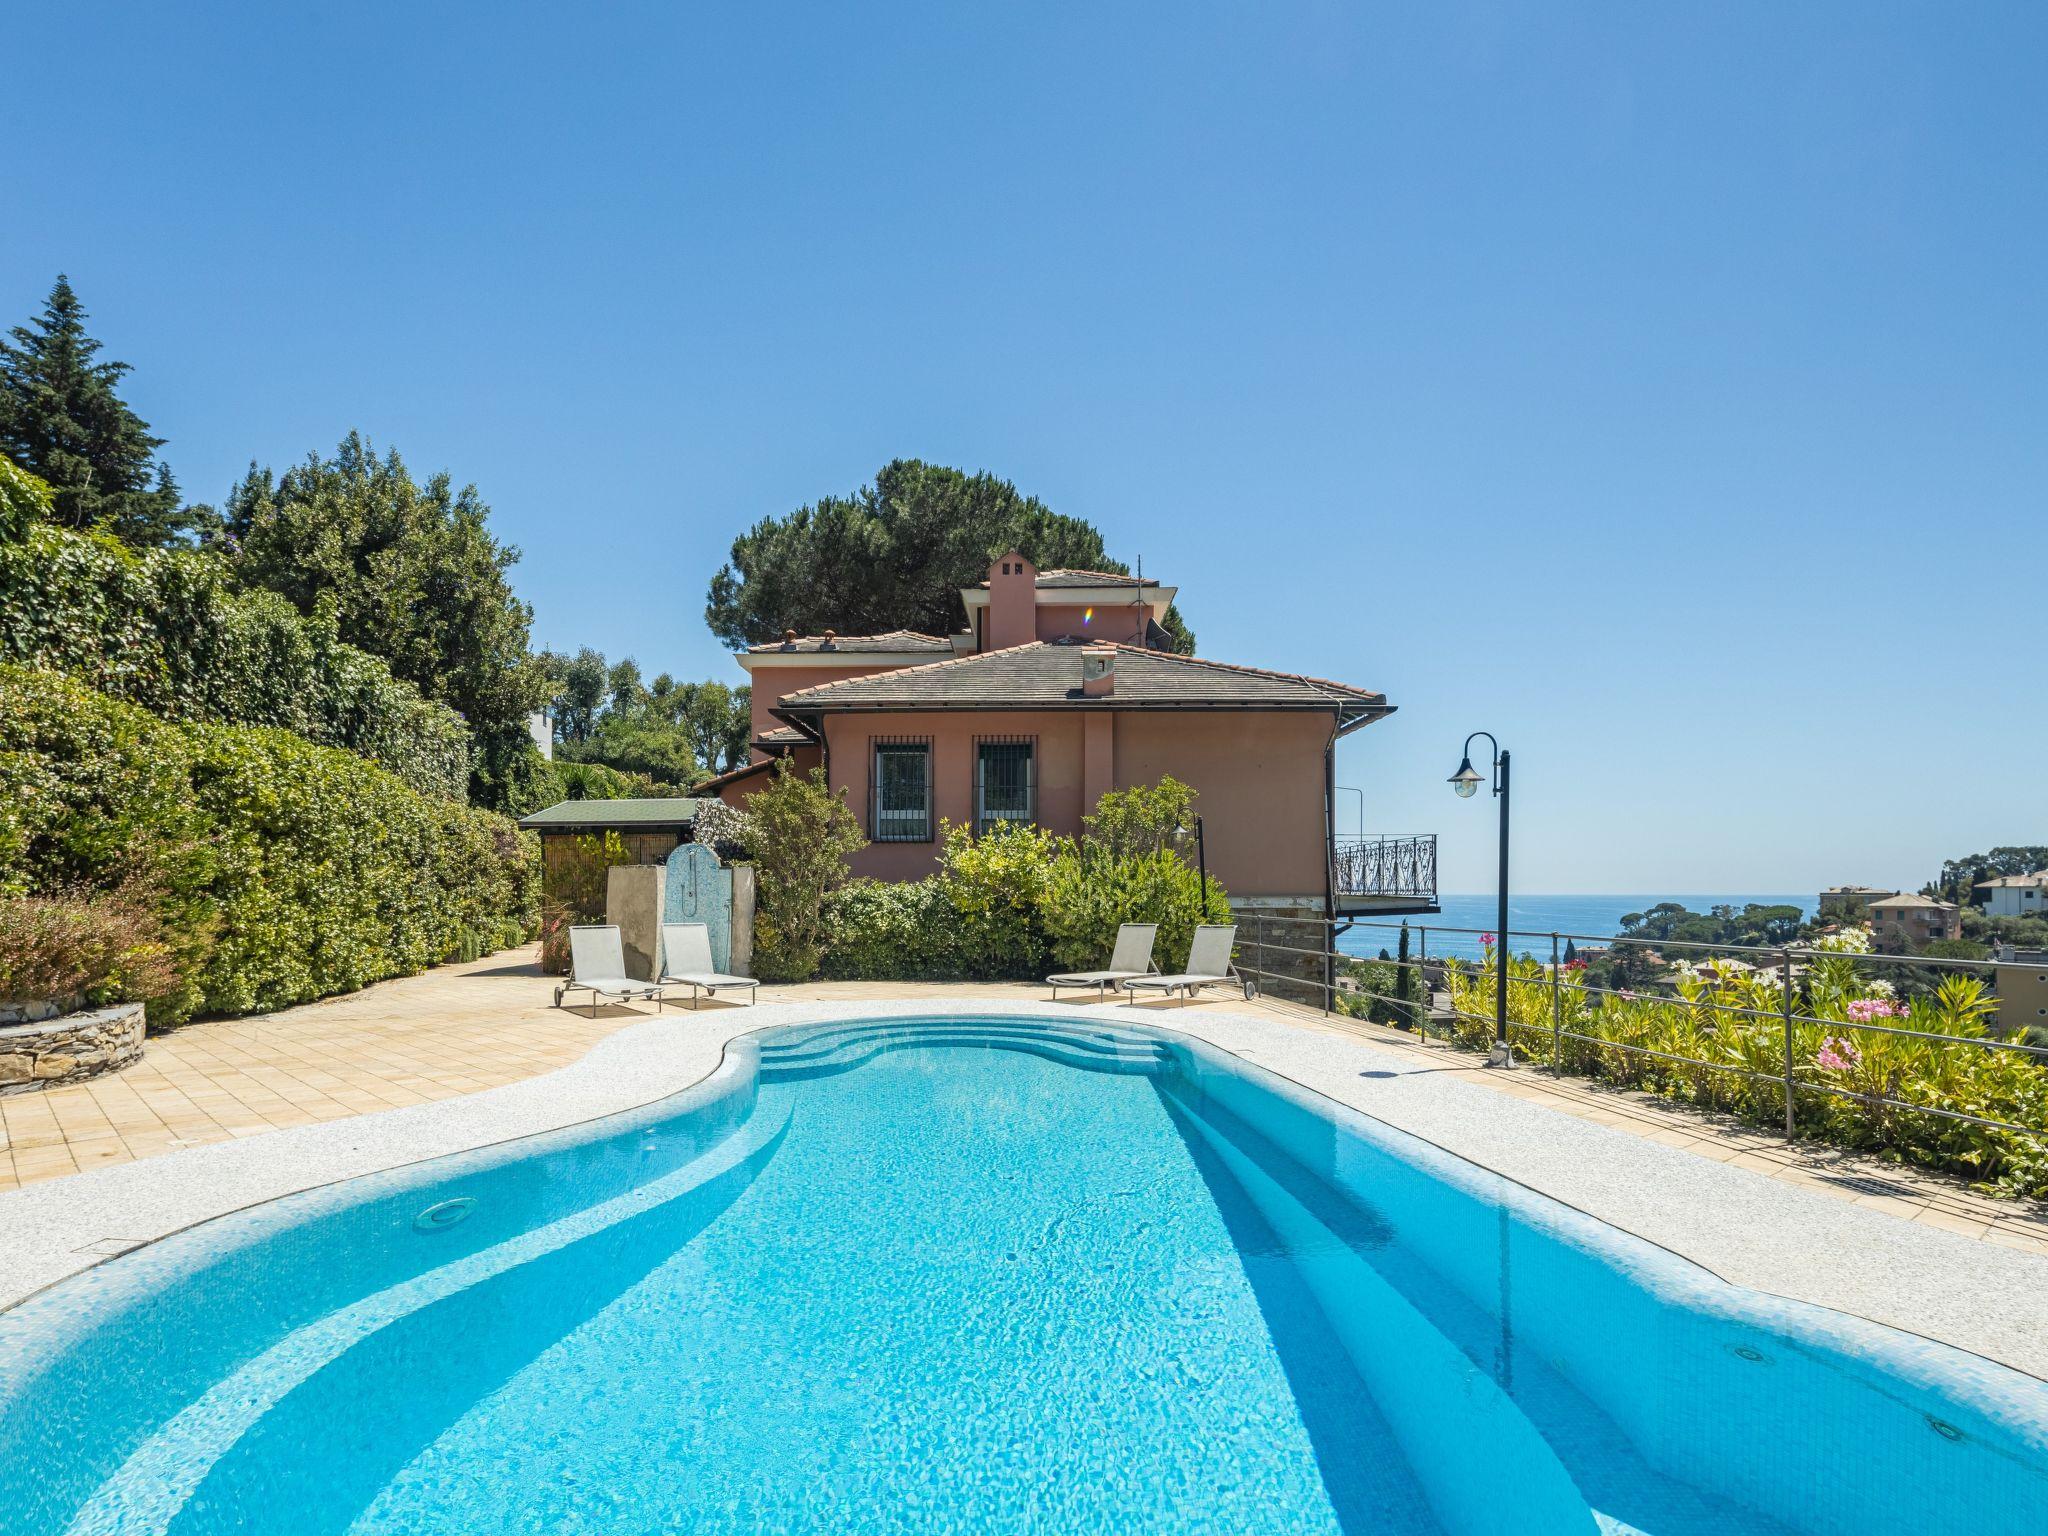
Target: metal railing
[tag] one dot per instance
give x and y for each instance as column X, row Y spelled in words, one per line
column 1297, row 955
column 1380, row 865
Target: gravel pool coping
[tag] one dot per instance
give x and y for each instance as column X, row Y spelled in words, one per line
column 1748, row 1229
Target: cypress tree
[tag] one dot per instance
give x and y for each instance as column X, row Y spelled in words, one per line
column 1404, row 983
column 62, row 418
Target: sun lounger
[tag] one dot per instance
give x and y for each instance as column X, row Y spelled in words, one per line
column 1131, row 957
column 1208, row 965
column 597, row 965
column 686, row 962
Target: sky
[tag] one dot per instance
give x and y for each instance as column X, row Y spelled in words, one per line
column 1660, row 388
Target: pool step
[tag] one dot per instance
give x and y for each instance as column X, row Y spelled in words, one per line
column 843, row 1047
column 1470, row 1446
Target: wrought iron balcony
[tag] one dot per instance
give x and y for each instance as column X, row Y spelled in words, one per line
column 1382, row 873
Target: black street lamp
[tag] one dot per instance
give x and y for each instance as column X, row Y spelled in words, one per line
column 1466, row 781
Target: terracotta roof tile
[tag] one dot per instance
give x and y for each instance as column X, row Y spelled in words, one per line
column 1043, row 675
column 892, row 640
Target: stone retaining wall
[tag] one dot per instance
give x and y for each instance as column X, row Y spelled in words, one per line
column 69, row 1049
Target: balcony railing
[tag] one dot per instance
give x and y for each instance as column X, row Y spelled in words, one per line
column 1386, row 866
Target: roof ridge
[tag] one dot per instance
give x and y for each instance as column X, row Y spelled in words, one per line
column 923, row 666
column 880, row 634
column 1232, row 666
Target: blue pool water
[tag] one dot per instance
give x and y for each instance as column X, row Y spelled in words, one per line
column 980, row 1276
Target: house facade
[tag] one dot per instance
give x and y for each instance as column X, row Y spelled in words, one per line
column 1061, row 687
column 1904, row 923
column 2016, row 895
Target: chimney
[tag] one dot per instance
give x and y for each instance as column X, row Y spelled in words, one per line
column 1098, row 671
column 1012, row 602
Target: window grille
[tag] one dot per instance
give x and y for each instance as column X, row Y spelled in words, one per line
column 900, row 791
column 1005, row 781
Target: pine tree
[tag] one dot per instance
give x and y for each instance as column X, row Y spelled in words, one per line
column 62, row 418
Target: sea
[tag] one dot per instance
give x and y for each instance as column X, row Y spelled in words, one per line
column 1531, row 919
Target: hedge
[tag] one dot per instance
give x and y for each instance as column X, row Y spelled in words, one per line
column 1013, row 904
column 169, row 630
column 289, row 871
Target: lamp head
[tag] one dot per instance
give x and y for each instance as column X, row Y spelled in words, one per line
column 1466, row 780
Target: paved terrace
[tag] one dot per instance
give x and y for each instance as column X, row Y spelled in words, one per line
column 464, row 1028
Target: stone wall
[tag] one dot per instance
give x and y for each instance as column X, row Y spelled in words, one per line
column 69, row 1049
column 1272, row 932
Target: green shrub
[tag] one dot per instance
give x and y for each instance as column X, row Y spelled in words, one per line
column 1011, row 903
column 803, row 835
column 169, row 630
column 565, row 780
column 25, row 499
column 1146, row 818
column 286, row 871
column 892, row 931
column 995, row 883
column 1089, row 893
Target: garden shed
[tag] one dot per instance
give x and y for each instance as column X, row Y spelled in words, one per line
column 650, row 829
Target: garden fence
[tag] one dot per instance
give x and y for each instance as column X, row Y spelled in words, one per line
column 1553, row 1008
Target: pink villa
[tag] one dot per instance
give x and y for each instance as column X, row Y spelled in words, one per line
column 1062, row 687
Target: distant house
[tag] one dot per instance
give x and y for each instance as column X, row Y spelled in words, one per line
column 1061, row 687
column 2015, row 895
column 1851, row 901
column 1903, row 923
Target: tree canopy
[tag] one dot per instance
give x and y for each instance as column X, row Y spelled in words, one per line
column 674, row 732
column 1753, row 923
column 894, row 555
column 62, row 419
column 411, row 573
column 1959, row 876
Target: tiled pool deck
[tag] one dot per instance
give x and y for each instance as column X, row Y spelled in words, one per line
column 465, row 1028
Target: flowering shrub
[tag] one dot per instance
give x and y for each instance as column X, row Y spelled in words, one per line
column 723, row 828
column 1837, row 1054
column 82, row 946
column 1719, row 1041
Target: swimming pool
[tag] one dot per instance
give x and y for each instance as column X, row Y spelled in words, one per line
column 979, row 1275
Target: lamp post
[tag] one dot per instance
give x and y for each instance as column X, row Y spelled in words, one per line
column 1466, row 782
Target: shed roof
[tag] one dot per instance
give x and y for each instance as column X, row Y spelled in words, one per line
column 650, row 814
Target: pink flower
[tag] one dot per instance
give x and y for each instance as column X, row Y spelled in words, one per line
column 1837, row 1054
column 1575, row 965
column 1864, row 1009
column 1486, row 938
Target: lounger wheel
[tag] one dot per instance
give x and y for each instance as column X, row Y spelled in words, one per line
column 1251, row 989
column 558, row 995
